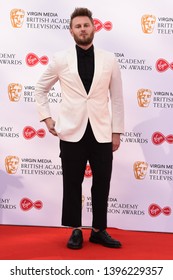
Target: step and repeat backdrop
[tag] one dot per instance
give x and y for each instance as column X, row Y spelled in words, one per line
column 140, row 34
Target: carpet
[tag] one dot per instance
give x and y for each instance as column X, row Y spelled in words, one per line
column 49, row 243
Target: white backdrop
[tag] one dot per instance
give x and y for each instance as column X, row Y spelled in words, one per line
column 140, row 33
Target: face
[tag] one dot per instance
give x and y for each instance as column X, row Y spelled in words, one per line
column 82, row 31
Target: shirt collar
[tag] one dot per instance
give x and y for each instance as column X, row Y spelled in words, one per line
column 82, row 52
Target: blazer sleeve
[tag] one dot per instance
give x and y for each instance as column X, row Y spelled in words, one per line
column 42, row 88
column 117, row 102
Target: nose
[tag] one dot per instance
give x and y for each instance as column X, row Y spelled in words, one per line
column 83, row 27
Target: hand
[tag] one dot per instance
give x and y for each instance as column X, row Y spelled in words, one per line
column 50, row 123
column 115, row 141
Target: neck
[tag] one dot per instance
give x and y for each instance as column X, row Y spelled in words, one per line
column 85, row 47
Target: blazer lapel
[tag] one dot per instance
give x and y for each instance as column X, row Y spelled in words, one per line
column 72, row 64
column 98, row 60
column 98, row 65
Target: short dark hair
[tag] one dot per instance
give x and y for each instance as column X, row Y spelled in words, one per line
column 78, row 12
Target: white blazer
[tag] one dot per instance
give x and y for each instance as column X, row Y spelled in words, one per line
column 77, row 106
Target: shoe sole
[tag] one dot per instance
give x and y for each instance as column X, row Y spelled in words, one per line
column 92, row 240
column 74, row 247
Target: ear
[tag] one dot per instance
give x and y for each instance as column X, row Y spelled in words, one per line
column 71, row 31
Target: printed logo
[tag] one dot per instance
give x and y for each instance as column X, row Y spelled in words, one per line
column 26, row 204
column 14, row 92
column 29, row 132
column 155, row 210
column 140, row 169
column 134, row 63
column 144, row 97
column 32, row 59
column 163, row 65
column 9, row 59
column 11, row 164
column 158, row 138
column 99, row 25
column 88, row 171
column 17, row 17
column 148, row 23
column 5, row 203
column 133, row 137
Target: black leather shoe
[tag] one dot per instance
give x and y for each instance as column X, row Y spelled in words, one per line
column 103, row 238
column 76, row 239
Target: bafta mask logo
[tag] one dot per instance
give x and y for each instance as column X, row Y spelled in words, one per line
column 140, row 169
column 11, row 164
column 144, row 97
column 14, row 92
column 17, row 17
column 148, row 23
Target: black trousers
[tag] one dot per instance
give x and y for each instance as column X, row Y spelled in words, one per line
column 74, row 156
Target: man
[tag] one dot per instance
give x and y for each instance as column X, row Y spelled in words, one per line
column 84, row 125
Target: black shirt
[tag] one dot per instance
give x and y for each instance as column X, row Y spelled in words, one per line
column 85, row 60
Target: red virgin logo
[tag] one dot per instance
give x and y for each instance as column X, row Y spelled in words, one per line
column 88, row 171
column 99, row 25
column 29, row 132
column 163, row 65
column 158, row 138
column 26, row 204
column 155, row 210
column 32, row 59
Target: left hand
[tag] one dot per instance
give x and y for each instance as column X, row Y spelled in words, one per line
column 115, row 141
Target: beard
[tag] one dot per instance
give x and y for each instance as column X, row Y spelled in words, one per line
column 84, row 41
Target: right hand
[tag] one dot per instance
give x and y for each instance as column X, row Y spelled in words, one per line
column 50, row 123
